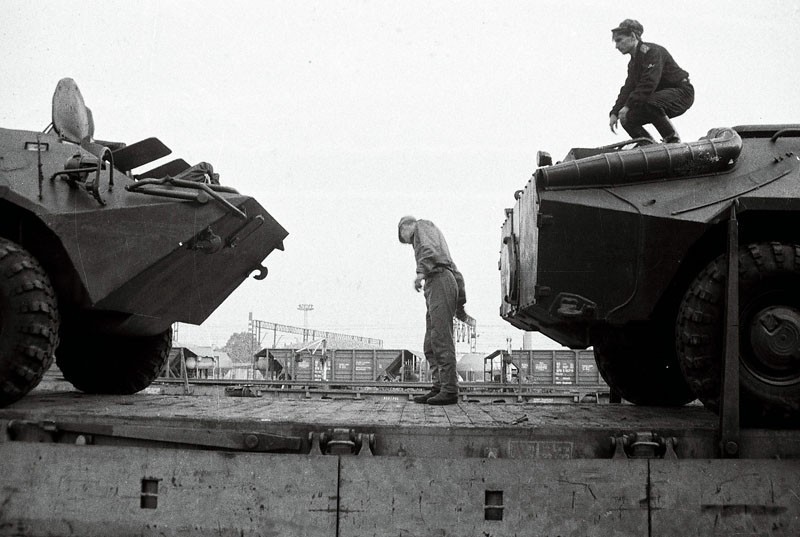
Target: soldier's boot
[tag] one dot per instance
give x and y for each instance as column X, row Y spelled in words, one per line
column 667, row 130
column 424, row 398
column 443, row 399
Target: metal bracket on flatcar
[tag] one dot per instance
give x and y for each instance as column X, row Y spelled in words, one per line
column 341, row 441
column 643, row 445
column 30, row 431
column 88, row 434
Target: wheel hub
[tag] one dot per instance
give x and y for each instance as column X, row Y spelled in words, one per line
column 775, row 340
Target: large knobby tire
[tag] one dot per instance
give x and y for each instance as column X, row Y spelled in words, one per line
column 641, row 367
column 769, row 333
column 28, row 322
column 109, row 364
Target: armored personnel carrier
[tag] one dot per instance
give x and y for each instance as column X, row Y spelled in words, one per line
column 626, row 248
column 97, row 263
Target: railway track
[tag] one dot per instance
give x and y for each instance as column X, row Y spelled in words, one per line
column 469, row 392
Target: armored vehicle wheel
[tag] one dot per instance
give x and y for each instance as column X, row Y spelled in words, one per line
column 102, row 363
column 641, row 370
column 769, row 333
column 28, row 322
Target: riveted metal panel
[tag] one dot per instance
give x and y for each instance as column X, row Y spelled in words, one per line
column 407, row 496
column 56, row 489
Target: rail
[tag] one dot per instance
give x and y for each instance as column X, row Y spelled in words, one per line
column 469, row 392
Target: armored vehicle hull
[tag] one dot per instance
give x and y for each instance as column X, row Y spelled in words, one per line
column 625, row 250
column 96, row 263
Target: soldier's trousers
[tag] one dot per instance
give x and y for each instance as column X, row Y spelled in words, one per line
column 441, row 292
column 669, row 102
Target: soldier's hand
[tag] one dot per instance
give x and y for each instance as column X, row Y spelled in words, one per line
column 623, row 114
column 612, row 123
column 464, row 317
column 418, row 282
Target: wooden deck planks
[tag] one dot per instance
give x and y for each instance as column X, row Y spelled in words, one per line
column 349, row 412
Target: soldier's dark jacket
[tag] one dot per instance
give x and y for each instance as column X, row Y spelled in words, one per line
column 433, row 255
column 651, row 68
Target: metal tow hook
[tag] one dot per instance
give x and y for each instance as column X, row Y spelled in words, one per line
column 262, row 272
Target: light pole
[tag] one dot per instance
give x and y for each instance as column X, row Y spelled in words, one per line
column 305, row 308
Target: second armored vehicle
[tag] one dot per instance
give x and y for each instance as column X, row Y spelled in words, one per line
column 626, row 250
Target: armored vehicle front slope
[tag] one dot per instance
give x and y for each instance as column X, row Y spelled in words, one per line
column 625, row 250
column 97, row 263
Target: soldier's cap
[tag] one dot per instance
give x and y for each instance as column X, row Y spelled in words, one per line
column 629, row 26
column 404, row 220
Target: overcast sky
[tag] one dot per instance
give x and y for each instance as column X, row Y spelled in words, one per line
column 342, row 116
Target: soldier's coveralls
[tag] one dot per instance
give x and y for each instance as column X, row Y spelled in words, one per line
column 655, row 86
column 444, row 292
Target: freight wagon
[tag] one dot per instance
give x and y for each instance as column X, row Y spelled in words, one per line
column 344, row 365
column 546, row 367
column 563, row 367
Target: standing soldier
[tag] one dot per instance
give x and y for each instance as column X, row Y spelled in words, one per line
column 655, row 90
column 444, row 299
